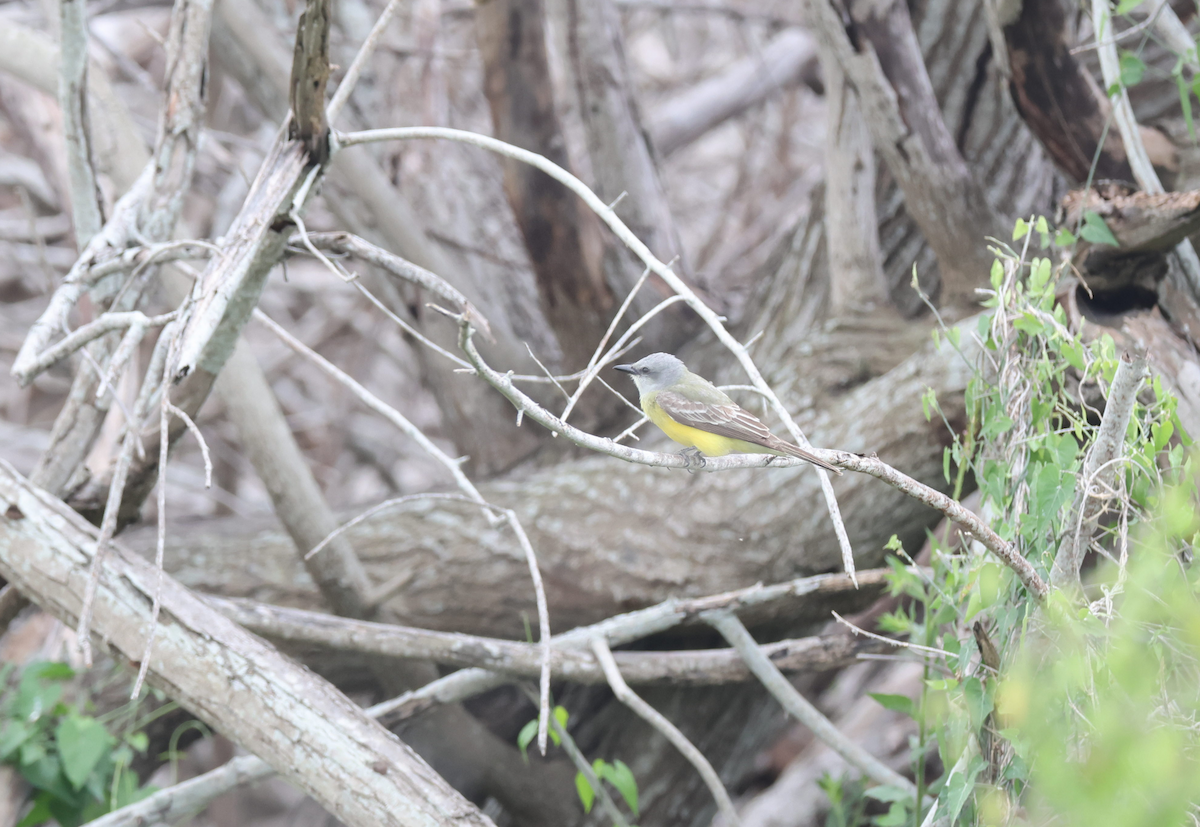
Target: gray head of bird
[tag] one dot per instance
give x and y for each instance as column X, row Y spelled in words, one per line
column 655, row 372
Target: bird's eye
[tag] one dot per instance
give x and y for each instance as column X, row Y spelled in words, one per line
column 645, row 370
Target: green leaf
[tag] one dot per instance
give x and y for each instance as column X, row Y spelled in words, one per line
column 996, row 425
column 561, row 715
column 12, row 736
column 35, row 697
column 1185, row 101
column 979, row 702
column 1020, row 229
column 896, row 816
column 1127, row 6
column 46, row 774
column 1064, row 237
column 1132, row 69
column 1161, row 433
column 128, row 792
column 1073, row 352
column 621, row 777
column 896, row 703
column 1029, row 323
column 888, row 792
column 49, row 670
column 138, row 740
column 959, row 789
column 525, row 738
column 832, row 787
column 1096, row 231
column 997, row 274
column 40, row 813
column 32, row 752
column 1039, row 277
column 586, row 794
column 929, row 403
column 82, row 742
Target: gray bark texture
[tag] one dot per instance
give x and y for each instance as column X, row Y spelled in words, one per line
column 920, row 83
column 236, row 683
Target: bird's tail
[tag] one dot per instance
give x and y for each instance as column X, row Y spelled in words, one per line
column 796, row 451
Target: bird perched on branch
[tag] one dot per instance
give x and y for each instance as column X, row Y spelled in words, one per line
column 695, row 413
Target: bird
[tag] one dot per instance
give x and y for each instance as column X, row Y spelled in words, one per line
column 696, row 413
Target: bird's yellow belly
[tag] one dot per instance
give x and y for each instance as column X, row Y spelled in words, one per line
column 711, row 445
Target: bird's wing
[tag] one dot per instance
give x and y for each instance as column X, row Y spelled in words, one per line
column 727, row 420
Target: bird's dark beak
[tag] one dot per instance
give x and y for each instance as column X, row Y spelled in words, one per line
column 625, row 368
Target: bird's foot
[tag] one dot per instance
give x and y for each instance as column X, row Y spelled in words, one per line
column 693, row 458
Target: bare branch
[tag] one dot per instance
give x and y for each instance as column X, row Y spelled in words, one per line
column 342, row 94
column 91, row 331
column 349, row 244
column 73, row 99
column 310, row 73
column 786, row 60
column 378, row 405
column 855, row 262
column 688, row 667
column 657, row 720
column 585, row 768
column 732, row 629
column 229, row 678
column 1100, row 468
column 956, row 512
column 886, row 68
column 606, row 213
column 175, row 803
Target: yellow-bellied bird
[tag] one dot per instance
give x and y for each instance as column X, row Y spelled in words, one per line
column 694, row 412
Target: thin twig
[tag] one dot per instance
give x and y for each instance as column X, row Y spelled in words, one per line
column 657, row 720
column 176, row 802
column 195, row 430
column 160, row 542
column 107, row 323
column 1100, row 465
column 535, row 574
column 732, row 630
column 585, row 767
column 504, row 383
column 342, row 94
column 73, row 101
column 108, row 527
column 953, row 510
column 469, row 682
column 609, row 217
column 543, row 626
column 376, row 404
column 899, row 644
